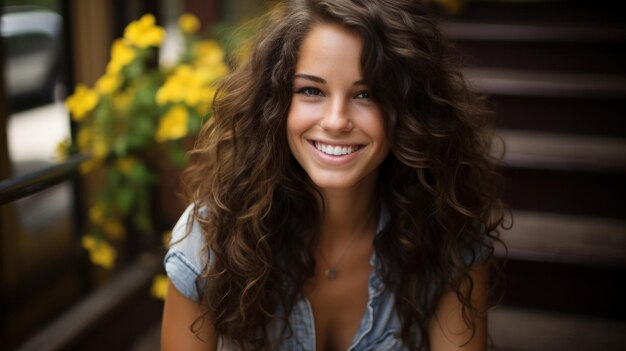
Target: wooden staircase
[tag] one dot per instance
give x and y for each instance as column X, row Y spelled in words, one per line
column 555, row 76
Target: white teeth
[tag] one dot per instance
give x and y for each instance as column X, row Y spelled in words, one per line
column 335, row 150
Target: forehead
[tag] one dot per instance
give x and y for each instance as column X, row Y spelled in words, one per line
column 328, row 47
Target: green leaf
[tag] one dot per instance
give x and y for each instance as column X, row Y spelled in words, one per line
column 194, row 122
column 134, row 69
column 142, row 218
column 114, row 178
column 177, row 154
column 120, row 146
column 144, row 126
column 124, row 199
column 141, row 177
column 142, row 222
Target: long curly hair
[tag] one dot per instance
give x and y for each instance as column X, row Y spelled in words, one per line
column 260, row 217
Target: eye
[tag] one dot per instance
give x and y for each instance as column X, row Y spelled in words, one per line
column 363, row 95
column 309, row 91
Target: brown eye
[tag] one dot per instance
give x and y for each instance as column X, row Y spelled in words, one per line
column 309, row 91
column 363, row 95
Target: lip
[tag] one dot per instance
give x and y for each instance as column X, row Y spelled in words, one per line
column 334, row 160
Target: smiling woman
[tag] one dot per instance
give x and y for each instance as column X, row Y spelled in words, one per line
column 342, row 198
column 335, row 131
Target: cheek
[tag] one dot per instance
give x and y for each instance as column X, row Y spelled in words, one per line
column 376, row 127
column 298, row 120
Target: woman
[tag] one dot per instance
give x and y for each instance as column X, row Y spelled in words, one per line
column 343, row 196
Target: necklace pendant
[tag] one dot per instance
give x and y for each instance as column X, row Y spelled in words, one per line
column 331, row 273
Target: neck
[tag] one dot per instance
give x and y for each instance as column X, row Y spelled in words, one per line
column 349, row 212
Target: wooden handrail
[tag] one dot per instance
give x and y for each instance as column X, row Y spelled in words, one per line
column 27, row 184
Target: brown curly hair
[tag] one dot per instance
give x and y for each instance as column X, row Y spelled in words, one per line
column 438, row 182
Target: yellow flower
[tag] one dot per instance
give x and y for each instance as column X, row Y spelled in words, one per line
column 159, row 286
column 103, row 255
column 114, row 228
column 208, row 74
column 83, row 139
column 62, row 149
column 189, row 85
column 100, row 252
column 165, row 238
column 96, row 213
column 89, row 242
column 188, row 23
column 144, row 33
column 99, row 148
column 168, row 93
column 180, row 86
column 81, row 102
column 209, row 52
column 173, row 125
column 203, row 109
column 125, row 164
column 89, row 165
column 193, row 96
column 121, row 55
column 122, row 100
column 206, row 100
column 108, row 83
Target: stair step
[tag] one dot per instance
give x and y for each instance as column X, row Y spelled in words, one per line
column 568, row 192
column 590, row 290
column 513, row 82
column 549, row 237
column 564, row 173
column 592, row 117
column 572, row 48
column 553, row 151
column 514, row 329
column 535, row 33
column 566, row 12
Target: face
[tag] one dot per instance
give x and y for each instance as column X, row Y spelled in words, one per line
column 335, row 130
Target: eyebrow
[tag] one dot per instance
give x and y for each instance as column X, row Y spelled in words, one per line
column 322, row 80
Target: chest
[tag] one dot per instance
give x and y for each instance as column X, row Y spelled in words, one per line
column 338, row 305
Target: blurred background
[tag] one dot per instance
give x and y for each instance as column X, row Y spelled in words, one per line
column 554, row 74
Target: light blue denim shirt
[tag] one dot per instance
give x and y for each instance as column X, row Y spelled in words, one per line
column 380, row 326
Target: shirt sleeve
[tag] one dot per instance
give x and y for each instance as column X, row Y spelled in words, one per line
column 185, row 259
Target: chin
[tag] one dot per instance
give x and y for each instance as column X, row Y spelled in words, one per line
column 334, row 181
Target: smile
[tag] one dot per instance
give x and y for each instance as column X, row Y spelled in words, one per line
column 336, row 150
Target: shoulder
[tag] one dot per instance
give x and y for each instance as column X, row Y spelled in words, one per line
column 186, row 258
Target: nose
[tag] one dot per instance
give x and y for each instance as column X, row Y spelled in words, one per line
column 337, row 117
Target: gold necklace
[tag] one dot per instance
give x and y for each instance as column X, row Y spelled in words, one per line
column 332, row 272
